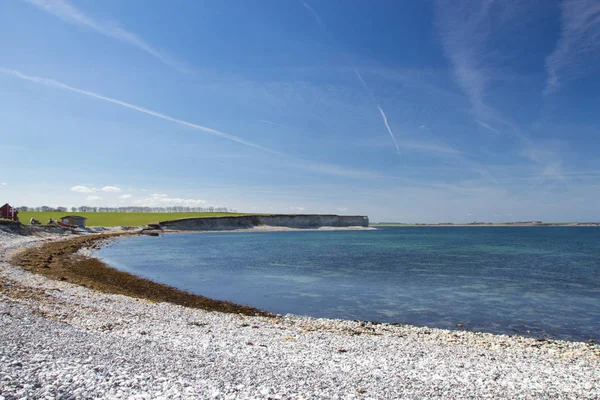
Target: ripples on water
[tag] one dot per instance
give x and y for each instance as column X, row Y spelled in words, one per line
column 536, row 281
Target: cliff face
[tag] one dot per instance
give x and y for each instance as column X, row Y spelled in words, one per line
column 314, row 221
column 290, row 221
column 210, row 224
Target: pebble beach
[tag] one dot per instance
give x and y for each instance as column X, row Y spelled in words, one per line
column 60, row 340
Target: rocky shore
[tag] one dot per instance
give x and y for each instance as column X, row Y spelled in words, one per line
column 60, row 340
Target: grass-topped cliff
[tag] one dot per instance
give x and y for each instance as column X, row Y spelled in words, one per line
column 141, row 219
column 120, row 218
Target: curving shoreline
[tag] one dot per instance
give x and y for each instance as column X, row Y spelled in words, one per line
column 71, row 340
column 62, row 260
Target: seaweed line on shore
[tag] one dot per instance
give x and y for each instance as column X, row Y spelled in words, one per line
column 61, row 260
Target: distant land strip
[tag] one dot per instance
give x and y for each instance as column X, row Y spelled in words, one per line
column 530, row 223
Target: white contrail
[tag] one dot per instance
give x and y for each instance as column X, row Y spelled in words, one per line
column 487, row 126
column 385, row 121
column 268, row 122
column 314, row 13
column 362, row 81
column 65, row 11
column 356, row 72
column 59, row 85
column 326, row 169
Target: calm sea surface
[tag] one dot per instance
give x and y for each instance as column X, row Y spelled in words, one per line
column 533, row 281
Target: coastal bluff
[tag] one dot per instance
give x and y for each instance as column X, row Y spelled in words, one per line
column 308, row 221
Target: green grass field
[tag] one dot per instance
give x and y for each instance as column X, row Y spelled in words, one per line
column 119, row 218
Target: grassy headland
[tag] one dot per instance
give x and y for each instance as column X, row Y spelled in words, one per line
column 119, row 218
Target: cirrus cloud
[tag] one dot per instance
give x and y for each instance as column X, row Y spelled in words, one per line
column 579, row 37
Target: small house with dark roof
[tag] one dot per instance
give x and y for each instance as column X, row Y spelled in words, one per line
column 8, row 212
column 76, row 220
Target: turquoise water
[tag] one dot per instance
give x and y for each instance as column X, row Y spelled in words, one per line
column 532, row 281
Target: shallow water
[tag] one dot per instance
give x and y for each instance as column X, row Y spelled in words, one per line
column 533, row 281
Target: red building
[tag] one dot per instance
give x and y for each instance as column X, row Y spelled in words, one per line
column 8, row 212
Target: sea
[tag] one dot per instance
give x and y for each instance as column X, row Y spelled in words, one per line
column 539, row 282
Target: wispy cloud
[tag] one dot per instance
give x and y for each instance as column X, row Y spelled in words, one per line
column 579, row 37
column 68, row 13
column 464, row 28
column 93, row 198
column 111, row 189
column 59, row 85
column 431, row 147
column 2, row 183
column 125, row 196
column 87, row 189
column 468, row 31
column 549, row 163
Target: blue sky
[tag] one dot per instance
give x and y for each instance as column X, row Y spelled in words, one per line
column 416, row 111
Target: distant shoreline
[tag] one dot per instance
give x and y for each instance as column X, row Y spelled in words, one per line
column 501, row 224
